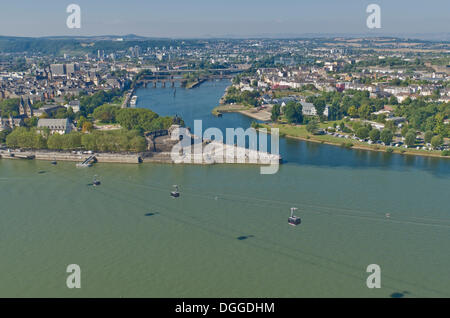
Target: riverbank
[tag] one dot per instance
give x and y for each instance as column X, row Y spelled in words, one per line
column 300, row 133
column 131, row 158
column 127, row 98
column 249, row 111
column 212, row 152
column 194, row 84
column 228, row 108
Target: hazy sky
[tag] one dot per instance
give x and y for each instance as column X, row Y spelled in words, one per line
column 203, row 18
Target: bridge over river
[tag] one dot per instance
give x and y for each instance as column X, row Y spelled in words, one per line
column 172, row 76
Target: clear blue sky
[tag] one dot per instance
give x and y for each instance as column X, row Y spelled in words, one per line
column 200, row 18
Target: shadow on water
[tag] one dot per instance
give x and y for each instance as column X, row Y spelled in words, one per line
column 399, row 295
column 244, row 237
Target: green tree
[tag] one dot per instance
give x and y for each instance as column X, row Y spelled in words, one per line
column 87, row 127
column 393, row 100
column 410, row 139
column 312, row 126
column 356, row 125
column 31, row 122
column 374, row 135
column 276, row 111
column 320, row 105
column 254, row 125
column 405, row 130
column 437, row 141
column 136, row 118
column 293, row 112
column 105, row 113
column 365, row 111
column 362, row 132
column 352, row 111
column 390, row 125
column 9, row 107
column 89, row 103
column 386, row 136
column 23, row 137
column 81, row 121
column 71, row 141
column 116, row 140
column 440, row 126
column 3, row 134
column 428, row 135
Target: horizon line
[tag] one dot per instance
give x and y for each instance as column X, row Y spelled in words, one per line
column 445, row 36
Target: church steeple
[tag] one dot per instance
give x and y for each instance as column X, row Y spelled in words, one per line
column 29, row 109
column 22, row 110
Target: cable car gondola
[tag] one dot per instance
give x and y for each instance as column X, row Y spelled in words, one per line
column 294, row 220
column 175, row 193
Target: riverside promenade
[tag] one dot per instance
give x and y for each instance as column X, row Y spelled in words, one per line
column 71, row 156
column 212, row 152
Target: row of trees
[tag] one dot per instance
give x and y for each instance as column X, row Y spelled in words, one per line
column 112, row 141
column 105, row 141
column 409, row 134
column 23, row 137
column 386, row 135
column 364, row 131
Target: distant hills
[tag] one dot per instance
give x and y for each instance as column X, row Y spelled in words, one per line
column 442, row 36
column 78, row 45
column 128, row 37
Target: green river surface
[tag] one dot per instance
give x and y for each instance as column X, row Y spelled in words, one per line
column 227, row 235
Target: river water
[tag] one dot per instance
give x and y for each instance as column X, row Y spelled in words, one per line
column 227, row 235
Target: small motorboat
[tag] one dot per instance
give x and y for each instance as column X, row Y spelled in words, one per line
column 294, row 220
column 96, row 182
column 175, row 193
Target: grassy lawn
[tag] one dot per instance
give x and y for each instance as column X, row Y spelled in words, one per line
column 116, row 105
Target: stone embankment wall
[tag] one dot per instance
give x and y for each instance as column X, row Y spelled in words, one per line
column 75, row 157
